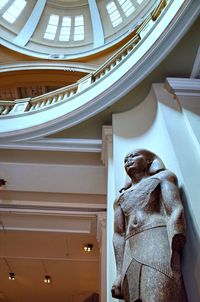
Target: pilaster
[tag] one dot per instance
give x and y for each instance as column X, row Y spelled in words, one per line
column 101, row 237
column 107, row 158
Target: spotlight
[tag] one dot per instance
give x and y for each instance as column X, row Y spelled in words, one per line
column 47, row 279
column 2, row 182
column 11, row 276
column 88, row 247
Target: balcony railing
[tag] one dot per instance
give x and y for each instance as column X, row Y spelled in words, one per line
column 53, row 97
column 6, row 107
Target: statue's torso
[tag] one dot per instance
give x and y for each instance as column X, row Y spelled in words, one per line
column 146, row 226
column 142, row 206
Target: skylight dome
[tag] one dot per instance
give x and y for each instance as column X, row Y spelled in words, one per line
column 68, row 29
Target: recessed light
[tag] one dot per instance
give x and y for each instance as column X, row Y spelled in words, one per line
column 47, row 279
column 88, row 247
column 11, row 276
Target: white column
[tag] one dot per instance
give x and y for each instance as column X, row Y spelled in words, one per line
column 98, row 34
column 107, row 158
column 101, row 237
column 31, row 24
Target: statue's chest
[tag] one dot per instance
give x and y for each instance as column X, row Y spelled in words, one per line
column 141, row 196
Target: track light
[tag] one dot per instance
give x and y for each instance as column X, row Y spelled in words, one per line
column 88, row 247
column 11, row 276
column 47, row 279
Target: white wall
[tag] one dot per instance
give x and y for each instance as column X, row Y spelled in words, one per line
column 158, row 124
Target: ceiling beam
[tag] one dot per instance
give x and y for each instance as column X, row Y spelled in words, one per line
column 98, row 34
column 31, row 24
column 78, row 223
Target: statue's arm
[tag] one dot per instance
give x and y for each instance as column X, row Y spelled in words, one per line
column 118, row 243
column 174, row 211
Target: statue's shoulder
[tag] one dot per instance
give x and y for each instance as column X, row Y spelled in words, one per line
column 117, row 202
column 167, row 175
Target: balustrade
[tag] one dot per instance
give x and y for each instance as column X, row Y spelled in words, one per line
column 6, row 107
column 51, row 98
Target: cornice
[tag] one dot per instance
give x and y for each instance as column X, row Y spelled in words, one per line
column 66, row 66
column 183, row 87
column 57, row 144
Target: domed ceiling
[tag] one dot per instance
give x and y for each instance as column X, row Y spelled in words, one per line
column 66, row 29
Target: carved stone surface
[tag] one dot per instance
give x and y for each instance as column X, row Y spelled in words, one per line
column 149, row 233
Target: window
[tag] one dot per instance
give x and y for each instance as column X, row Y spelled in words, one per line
column 50, row 32
column 127, row 7
column 139, row 1
column 3, row 3
column 113, row 13
column 79, row 28
column 14, row 10
column 65, row 29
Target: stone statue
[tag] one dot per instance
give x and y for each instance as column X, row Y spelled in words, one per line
column 149, row 233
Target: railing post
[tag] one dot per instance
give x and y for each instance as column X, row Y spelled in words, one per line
column 20, row 106
column 84, row 82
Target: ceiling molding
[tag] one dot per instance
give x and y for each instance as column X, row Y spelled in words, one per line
column 80, row 209
column 67, row 4
column 80, row 223
column 51, row 200
column 66, row 66
column 183, row 86
column 49, row 259
column 57, row 144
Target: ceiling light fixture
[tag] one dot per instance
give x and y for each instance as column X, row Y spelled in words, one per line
column 47, row 279
column 88, row 247
column 11, row 276
column 2, row 182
